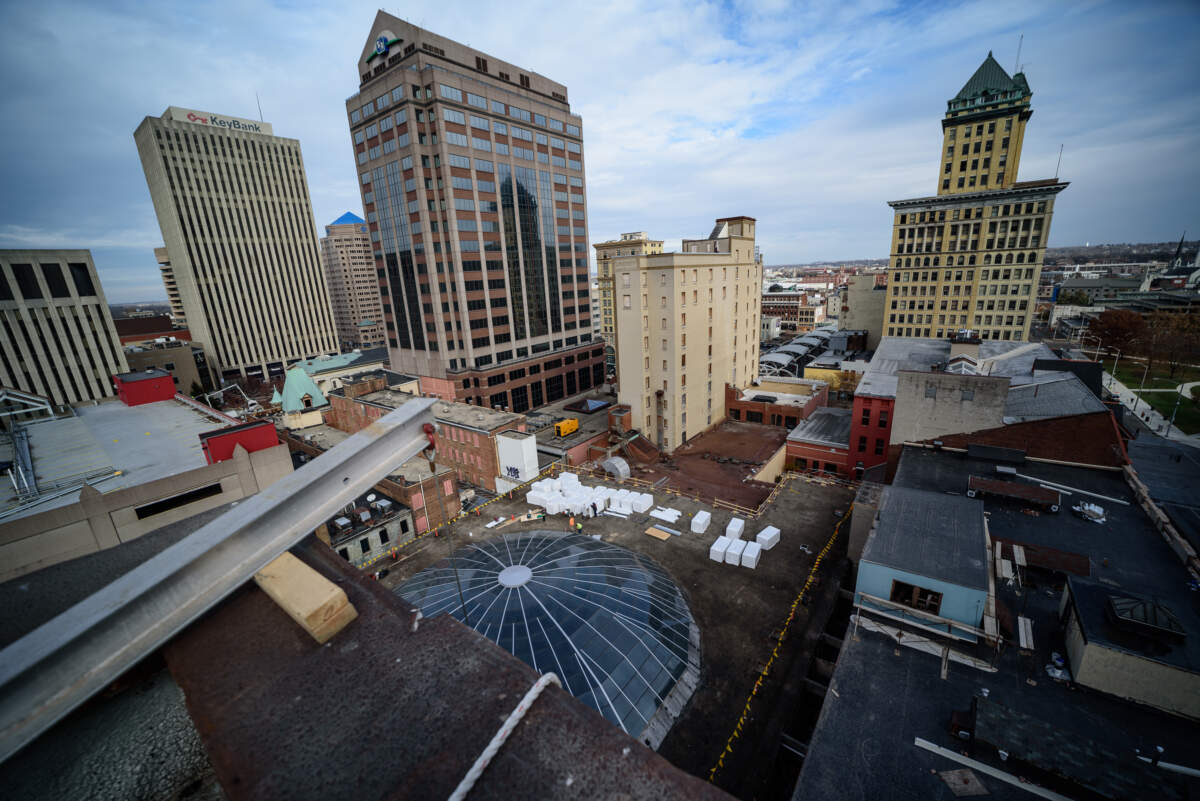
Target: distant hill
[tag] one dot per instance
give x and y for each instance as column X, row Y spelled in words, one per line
column 1119, row 253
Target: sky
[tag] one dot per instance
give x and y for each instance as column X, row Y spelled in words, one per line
column 808, row 117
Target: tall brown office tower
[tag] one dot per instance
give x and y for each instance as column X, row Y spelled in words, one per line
column 471, row 172
column 353, row 287
column 233, row 205
column 970, row 257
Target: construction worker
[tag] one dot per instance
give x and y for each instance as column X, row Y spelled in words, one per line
column 579, row 528
column 571, row 524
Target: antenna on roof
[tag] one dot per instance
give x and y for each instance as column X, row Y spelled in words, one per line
column 259, row 102
column 1017, row 63
column 1056, row 169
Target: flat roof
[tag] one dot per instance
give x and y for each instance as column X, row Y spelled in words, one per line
column 590, row 425
column 1062, row 394
column 325, row 437
column 142, row 375
column 341, row 361
column 825, row 426
column 137, row 443
column 464, row 415
column 1171, row 472
column 1013, row 360
column 932, row 535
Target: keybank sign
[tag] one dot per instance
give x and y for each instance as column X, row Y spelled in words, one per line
column 217, row 121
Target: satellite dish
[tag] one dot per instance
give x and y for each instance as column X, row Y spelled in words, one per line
column 371, row 498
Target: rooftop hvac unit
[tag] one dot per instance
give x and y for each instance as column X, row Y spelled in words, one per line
column 1007, row 470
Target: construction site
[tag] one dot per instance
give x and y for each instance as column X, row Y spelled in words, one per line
column 752, row 621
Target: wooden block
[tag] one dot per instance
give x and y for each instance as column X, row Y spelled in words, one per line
column 658, row 535
column 316, row 603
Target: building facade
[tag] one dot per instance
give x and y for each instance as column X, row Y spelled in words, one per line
column 353, row 285
column 183, row 360
column 171, row 286
column 471, row 171
column 797, row 311
column 864, row 300
column 233, row 206
column 59, row 340
column 634, row 243
column 970, row 257
column 714, row 284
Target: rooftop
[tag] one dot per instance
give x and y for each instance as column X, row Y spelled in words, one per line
column 464, row 415
column 997, row 358
column 115, row 445
column 825, row 426
column 142, row 375
column 1171, row 472
column 953, row 549
column 901, row 694
column 541, row 421
column 325, row 437
column 340, row 361
column 349, row 218
column 1059, row 395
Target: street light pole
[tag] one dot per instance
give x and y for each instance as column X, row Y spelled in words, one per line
column 1137, row 399
column 1171, row 422
column 1115, row 362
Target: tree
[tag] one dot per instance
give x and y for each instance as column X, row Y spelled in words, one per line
column 775, row 288
column 196, row 390
column 1074, row 297
column 1179, row 339
column 1118, row 328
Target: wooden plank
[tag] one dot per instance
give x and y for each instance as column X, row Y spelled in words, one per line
column 999, row 551
column 1025, row 630
column 658, row 535
column 1006, row 571
column 989, row 625
column 1019, row 555
column 316, row 603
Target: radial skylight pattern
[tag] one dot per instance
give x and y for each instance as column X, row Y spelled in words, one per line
column 610, row 622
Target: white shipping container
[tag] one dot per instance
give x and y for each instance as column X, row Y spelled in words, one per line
column 733, row 554
column 750, row 555
column 717, row 551
column 700, row 522
column 735, row 528
column 768, row 538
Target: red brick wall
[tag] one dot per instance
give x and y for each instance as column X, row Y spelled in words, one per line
column 816, row 457
column 871, row 430
column 443, row 388
column 776, row 414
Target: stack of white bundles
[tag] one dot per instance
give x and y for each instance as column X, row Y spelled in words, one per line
column 735, row 528
column 750, row 555
column 733, row 554
column 642, row 501
column 717, row 551
column 668, row 515
column 768, row 538
column 700, row 522
column 535, row 498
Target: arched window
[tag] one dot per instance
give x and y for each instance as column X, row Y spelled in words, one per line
column 987, row 258
column 926, row 261
column 960, row 261
column 307, row 401
column 1008, row 258
column 1020, row 258
column 1032, row 258
column 936, row 259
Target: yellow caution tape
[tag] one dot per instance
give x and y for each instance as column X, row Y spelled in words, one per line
column 737, row 731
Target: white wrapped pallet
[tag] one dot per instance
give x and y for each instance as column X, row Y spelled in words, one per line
column 700, row 522
column 768, row 538
column 735, row 528
column 642, row 502
column 733, row 554
column 750, row 554
column 717, row 551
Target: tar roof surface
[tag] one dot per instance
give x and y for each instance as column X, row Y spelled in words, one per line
column 825, row 426
column 464, row 415
column 1126, row 552
column 325, row 437
column 884, row 696
column 144, row 443
column 590, row 425
column 1171, row 472
column 930, row 534
column 1063, row 394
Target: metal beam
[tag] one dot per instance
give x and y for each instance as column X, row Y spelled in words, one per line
column 53, row 669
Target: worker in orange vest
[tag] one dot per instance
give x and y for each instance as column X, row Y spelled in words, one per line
column 572, row 523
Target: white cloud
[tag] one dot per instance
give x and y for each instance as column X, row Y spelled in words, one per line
column 808, row 116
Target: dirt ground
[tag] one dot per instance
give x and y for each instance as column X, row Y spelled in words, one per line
column 694, row 468
column 739, row 611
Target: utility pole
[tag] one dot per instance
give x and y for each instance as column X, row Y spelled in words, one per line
column 1171, row 422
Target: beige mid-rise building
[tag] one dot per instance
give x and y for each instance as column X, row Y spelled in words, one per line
column 57, row 338
column 970, row 257
column 171, row 285
column 687, row 324
column 353, row 285
column 233, row 206
column 634, row 243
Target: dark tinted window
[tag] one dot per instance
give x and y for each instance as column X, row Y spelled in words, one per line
column 5, row 289
column 26, row 281
column 54, row 279
column 83, row 281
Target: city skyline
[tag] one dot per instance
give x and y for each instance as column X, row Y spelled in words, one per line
column 715, row 98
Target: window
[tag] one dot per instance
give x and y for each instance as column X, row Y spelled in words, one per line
column 879, row 447
column 883, row 418
column 450, row 93
column 451, row 115
column 862, row 444
column 930, row 391
column 916, row 597
column 477, row 101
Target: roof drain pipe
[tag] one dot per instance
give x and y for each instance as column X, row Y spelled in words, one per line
column 485, row 758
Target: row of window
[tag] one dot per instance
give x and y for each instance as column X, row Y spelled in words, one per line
column 453, row 93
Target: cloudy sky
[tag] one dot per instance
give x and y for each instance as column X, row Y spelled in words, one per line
column 808, row 116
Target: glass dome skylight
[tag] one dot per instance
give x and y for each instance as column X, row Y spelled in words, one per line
column 610, row 622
